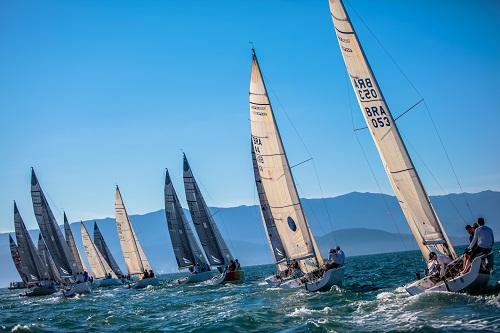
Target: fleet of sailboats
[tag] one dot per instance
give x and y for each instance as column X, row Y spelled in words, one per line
column 56, row 264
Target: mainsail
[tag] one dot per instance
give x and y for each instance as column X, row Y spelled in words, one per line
column 100, row 267
column 58, row 248
column 105, row 251
column 272, row 235
column 31, row 263
column 407, row 186
column 276, row 177
column 186, row 250
column 70, row 240
column 134, row 256
column 47, row 260
column 16, row 258
column 213, row 244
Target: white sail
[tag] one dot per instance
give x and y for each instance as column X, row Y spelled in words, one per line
column 272, row 234
column 276, row 177
column 186, row 250
column 101, row 245
column 100, row 268
column 134, row 256
column 31, row 262
column 211, row 240
column 51, row 232
column 398, row 165
column 73, row 249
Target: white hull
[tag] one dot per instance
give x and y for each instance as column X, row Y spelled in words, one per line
column 332, row 277
column 108, row 282
column 275, row 281
column 472, row 280
column 79, row 288
column 139, row 284
column 196, row 277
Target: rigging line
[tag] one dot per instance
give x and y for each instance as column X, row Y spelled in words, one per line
column 409, row 109
column 435, row 178
column 395, row 63
column 300, row 163
column 365, row 156
column 310, row 156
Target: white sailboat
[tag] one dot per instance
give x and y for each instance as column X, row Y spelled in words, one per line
column 101, row 245
column 187, row 252
column 281, row 193
column 103, row 274
column 136, row 261
column 405, row 181
column 216, row 250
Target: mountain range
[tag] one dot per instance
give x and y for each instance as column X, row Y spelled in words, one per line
column 361, row 223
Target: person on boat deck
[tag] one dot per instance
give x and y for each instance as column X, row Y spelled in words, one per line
column 437, row 264
column 146, row 274
column 470, row 230
column 336, row 258
column 151, row 274
column 80, row 278
column 85, row 276
column 232, row 266
column 481, row 243
column 237, row 263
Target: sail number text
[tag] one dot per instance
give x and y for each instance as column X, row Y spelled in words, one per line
column 377, row 115
column 257, row 143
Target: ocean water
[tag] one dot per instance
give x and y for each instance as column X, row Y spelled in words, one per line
column 370, row 301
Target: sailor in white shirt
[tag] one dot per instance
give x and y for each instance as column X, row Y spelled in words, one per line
column 481, row 243
column 336, row 257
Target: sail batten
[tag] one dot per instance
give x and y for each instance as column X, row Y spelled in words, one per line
column 135, row 259
column 276, row 177
column 403, row 177
column 186, row 249
column 211, row 240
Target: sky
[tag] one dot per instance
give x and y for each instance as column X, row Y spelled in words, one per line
column 99, row 93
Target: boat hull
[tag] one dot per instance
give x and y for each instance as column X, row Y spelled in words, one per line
column 102, row 283
column 275, row 281
column 78, row 289
column 229, row 277
column 40, row 291
column 475, row 280
column 196, row 277
column 330, row 278
column 140, row 284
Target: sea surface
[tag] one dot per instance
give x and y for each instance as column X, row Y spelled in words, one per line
column 371, row 300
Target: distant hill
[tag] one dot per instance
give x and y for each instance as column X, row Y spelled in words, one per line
column 364, row 223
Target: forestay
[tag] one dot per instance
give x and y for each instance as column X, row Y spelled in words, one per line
column 70, row 240
column 101, row 245
column 186, row 250
column 272, row 235
column 50, row 230
column 134, row 256
column 16, row 258
column 100, row 268
column 213, row 244
column 399, row 167
column 276, row 177
column 31, row 263
column 47, row 260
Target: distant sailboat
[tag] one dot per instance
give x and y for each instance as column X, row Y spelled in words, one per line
column 279, row 188
column 102, row 272
column 213, row 244
column 70, row 240
column 48, row 261
column 16, row 259
column 38, row 278
column 101, row 245
column 187, row 252
column 57, row 246
column 406, row 183
column 135, row 259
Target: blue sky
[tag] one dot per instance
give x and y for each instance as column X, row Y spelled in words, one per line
column 94, row 94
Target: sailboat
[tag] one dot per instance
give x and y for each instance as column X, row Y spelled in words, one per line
column 187, row 252
column 283, row 200
column 211, row 240
column 48, row 261
column 272, row 234
column 103, row 274
column 135, row 259
column 70, row 240
column 101, row 245
column 57, row 246
column 35, row 270
column 424, row 223
column 16, row 259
